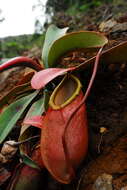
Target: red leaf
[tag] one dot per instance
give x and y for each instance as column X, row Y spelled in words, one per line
column 26, row 78
column 34, row 121
column 43, row 77
column 20, row 61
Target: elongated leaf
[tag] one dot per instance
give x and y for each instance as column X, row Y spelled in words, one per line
column 28, row 161
column 14, row 93
column 23, row 88
column 12, row 113
column 46, row 99
column 115, row 54
column 34, row 121
column 52, row 34
column 26, row 130
column 43, row 77
column 26, row 78
column 20, row 61
column 35, row 160
column 75, row 40
column 36, row 109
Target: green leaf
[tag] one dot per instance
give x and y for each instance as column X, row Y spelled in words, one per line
column 37, row 108
column 73, row 41
column 52, row 34
column 28, row 161
column 12, row 113
column 46, row 99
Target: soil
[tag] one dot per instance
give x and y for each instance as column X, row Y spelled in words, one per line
column 106, row 109
column 9, row 78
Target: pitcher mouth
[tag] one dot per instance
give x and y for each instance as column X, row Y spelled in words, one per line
column 65, row 92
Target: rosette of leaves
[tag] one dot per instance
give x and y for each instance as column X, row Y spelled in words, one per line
column 37, row 103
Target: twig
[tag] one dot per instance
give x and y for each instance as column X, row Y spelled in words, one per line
column 21, row 142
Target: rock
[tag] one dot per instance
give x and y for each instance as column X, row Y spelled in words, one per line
column 103, row 182
column 8, row 151
column 112, row 161
column 124, row 188
column 120, row 27
column 112, row 26
column 107, row 26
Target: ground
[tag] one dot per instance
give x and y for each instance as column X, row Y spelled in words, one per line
column 106, row 109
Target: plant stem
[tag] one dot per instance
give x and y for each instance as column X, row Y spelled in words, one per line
column 87, row 91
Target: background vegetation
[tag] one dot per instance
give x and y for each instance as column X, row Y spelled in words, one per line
column 18, row 45
column 76, row 14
